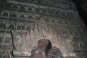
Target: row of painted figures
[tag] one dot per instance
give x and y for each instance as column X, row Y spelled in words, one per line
column 30, row 16
column 29, row 8
column 12, row 25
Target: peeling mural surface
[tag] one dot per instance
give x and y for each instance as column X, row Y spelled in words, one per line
column 22, row 25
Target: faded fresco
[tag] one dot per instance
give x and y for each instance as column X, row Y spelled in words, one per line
column 24, row 24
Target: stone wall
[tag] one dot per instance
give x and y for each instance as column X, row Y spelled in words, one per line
column 23, row 24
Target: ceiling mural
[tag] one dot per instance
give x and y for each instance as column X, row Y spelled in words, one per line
column 40, row 27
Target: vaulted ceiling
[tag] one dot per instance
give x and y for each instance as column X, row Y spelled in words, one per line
column 81, row 5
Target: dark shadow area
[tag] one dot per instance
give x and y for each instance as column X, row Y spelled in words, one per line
column 81, row 10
